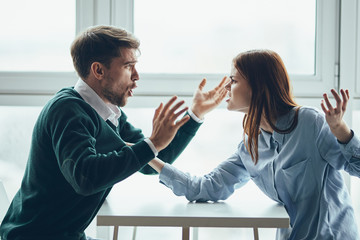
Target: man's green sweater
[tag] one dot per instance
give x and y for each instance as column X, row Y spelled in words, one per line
column 75, row 159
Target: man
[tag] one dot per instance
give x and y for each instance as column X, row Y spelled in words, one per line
column 82, row 143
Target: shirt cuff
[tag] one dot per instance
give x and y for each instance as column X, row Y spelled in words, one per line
column 352, row 136
column 151, row 145
column 194, row 117
column 352, row 147
column 166, row 174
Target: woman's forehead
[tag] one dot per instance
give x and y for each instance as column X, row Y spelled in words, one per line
column 234, row 70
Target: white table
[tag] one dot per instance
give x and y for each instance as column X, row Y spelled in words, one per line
column 247, row 208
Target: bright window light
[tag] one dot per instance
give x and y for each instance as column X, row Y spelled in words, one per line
column 36, row 35
column 186, row 36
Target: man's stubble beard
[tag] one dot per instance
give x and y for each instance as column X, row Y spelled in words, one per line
column 113, row 97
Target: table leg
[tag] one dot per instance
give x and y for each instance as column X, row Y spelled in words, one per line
column 256, row 234
column 134, row 233
column 116, row 232
column 185, row 233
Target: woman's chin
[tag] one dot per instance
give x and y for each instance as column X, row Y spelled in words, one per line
column 234, row 109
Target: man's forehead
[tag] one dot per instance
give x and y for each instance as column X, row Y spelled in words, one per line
column 128, row 54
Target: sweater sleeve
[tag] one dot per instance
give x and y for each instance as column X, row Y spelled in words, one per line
column 128, row 132
column 75, row 131
column 217, row 185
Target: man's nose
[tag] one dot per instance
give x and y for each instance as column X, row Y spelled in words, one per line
column 135, row 75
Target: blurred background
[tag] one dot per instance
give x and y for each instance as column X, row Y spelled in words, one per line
column 181, row 43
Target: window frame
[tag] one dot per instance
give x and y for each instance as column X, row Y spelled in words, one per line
column 30, row 85
column 357, row 47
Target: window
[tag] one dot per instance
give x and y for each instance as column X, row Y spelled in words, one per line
column 35, row 50
column 186, row 36
column 183, row 42
column 36, row 35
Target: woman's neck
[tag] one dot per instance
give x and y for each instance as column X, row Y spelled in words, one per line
column 264, row 125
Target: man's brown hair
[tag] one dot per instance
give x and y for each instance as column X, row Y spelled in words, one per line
column 100, row 44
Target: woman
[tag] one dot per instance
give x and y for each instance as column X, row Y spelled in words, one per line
column 288, row 151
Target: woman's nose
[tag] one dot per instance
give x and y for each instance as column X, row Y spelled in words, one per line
column 228, row 86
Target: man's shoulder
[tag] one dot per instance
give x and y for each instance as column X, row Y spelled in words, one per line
column 67, row 107
column 66, row 103
column 66, row 94
column 66, row 97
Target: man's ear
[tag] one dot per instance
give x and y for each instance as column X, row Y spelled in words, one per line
column 98, row 70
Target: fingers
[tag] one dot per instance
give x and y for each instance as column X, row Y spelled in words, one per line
column 182, row 121
column 336, row 95
column 177, row 105
column 158, row 111
column 221, row 84
column 169, row 112
column 338, row 101
column 220, row 95
column 170, row 102
column 323, row 107
column 345, row 96
column 341, row 102
column 167, row 106
column 223, row 94
column 164, row 123
column 327, row 102
column 173, row 116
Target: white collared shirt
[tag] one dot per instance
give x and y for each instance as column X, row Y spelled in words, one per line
column 106, row 111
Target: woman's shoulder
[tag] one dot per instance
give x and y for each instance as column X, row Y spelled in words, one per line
column 310, row 116
column 308, row 113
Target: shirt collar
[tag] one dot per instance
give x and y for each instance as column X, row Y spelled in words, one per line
column 284, row 122
column 266, row 136
column 106, row 111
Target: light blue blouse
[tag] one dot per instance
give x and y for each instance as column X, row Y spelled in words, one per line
column 299, row 170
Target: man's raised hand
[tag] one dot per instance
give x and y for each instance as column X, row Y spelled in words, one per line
column 165, row 125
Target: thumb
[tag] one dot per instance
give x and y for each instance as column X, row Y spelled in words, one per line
column 202, row 84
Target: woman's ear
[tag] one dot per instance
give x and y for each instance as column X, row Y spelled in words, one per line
column 98, row 70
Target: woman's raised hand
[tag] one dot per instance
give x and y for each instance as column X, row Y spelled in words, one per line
column 204, row 102
column 334, row 115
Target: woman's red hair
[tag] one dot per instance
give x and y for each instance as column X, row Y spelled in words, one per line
column 271, row 93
